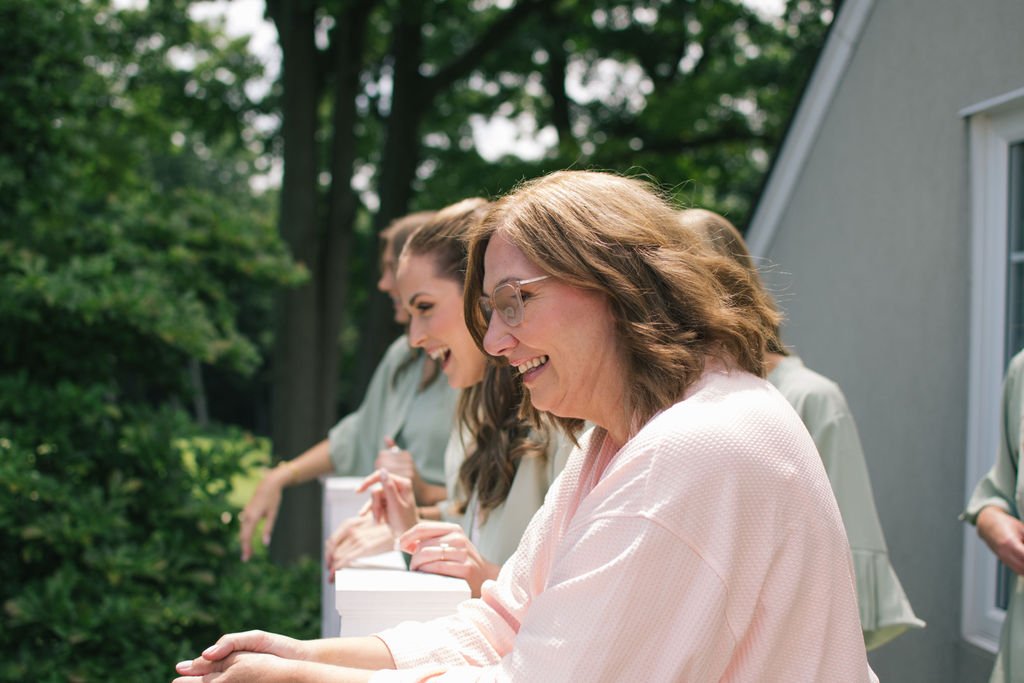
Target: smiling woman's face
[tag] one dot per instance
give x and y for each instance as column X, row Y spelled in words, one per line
column 437, row 323
column 565, row 347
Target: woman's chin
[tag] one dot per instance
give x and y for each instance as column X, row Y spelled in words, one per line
column 458, row 380
column 540, row 404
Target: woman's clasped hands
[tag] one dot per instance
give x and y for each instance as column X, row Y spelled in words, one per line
column 258, row 657
column 249, row 656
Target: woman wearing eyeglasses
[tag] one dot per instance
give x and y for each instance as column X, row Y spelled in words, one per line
column 692, row 536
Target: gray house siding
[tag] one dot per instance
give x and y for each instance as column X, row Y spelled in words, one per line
column 870, row 259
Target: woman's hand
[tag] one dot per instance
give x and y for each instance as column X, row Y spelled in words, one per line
column 400, row 463
column 248, row 656
column 396, row 461
column 263, row 505
column 393, row 502
column 356, row 537
column 1004, row 534
column 442, row 548
column 241, row 667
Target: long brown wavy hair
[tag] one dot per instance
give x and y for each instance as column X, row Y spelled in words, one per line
column 674, row 300
column 489, row 410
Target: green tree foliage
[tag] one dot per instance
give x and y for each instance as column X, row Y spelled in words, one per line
column 132, row 252
column 694, row 93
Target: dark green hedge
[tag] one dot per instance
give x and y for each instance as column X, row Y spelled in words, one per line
column 118, row 542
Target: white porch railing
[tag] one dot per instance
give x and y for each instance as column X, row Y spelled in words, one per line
column 380, row 592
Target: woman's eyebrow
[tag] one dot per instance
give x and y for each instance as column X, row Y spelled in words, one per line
column 505, row 280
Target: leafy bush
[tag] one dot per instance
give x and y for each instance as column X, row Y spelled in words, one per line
column 120, row 545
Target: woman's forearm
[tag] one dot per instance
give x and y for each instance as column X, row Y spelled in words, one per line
column 431, row 512
column 310, row 464
column 367, row 652
column 428, row 494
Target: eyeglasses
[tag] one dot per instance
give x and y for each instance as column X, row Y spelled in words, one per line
column 507, row 300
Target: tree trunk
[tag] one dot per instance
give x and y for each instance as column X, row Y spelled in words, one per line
column 336, row 258
column 397, row 169
column 297, row 413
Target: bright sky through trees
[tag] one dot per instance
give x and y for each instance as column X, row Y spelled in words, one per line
column 494, row 137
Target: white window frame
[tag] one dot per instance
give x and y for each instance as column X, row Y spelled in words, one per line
column 993, row 127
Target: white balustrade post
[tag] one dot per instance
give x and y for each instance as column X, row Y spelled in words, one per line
column 340, row 501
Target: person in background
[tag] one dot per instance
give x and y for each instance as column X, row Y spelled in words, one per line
column 406, row 409
column 885, row 611
column 692, row 535
column 506, row 467
column 994, row 508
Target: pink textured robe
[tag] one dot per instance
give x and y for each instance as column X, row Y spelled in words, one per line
column 708, row 548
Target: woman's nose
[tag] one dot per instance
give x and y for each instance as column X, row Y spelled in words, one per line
column 498, row 340
column 386, row 283
column 416, row 333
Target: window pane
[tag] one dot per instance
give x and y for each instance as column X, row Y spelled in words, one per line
column 1015, row 306
column 1015, row 312
column 1015, row 269
column 1016, row 198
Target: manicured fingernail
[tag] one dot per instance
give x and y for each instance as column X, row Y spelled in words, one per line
column 383, row 475
column 208, row 650
column 183, row 665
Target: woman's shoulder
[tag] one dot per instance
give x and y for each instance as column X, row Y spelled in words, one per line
column 734, row 443
column 791, row 376
column 730, row 415
column 399, row 351
column 813, row 395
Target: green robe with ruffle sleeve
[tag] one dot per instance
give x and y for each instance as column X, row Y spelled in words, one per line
column 885, row 611
column 1004, row 488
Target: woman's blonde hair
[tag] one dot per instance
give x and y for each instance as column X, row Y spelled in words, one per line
column 674, row 301
column 721, row 235
column 489, row 410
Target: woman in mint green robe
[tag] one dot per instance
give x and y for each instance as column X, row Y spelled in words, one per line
column 885, row 611
column 397, row 406
column 995, row 508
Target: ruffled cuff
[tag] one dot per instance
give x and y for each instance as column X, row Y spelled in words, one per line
column 885, row 611
column 978, row 503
